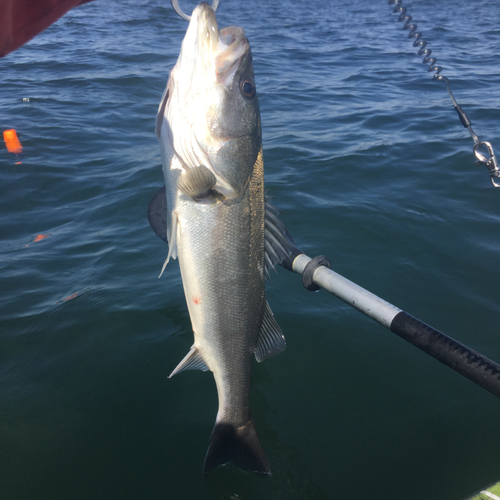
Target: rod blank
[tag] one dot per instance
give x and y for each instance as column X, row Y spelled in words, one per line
column 464, row 360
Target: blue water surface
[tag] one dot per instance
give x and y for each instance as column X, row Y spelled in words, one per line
column 371, row 167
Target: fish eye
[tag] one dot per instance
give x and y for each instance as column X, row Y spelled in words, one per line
column 247, row 88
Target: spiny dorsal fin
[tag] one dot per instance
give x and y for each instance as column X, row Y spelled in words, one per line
column 277, row 247
column 192, row 361
column 271, row 339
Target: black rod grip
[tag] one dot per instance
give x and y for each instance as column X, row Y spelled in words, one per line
column 469, row 363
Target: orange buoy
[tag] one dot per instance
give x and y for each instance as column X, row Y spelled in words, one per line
column 11, row 141
column 40, row 237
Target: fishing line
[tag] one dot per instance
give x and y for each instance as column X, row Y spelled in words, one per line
column 175, row 5
column 490, row 163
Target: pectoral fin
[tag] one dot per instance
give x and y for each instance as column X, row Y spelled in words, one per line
column 172, row 244
column 192, row 361
column 271, row 339
column 197, row 182
column 158, row 220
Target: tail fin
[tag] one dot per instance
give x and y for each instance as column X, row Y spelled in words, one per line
column 238, row 444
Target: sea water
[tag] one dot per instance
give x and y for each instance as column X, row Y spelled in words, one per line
column 371, row 167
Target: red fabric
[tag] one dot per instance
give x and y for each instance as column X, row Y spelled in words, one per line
column 21, row 20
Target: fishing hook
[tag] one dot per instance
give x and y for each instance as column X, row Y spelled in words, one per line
column 175, row 5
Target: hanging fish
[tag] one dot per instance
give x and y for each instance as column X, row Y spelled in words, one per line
column 215, row 218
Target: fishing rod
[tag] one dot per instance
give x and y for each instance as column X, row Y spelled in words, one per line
column 316, row 274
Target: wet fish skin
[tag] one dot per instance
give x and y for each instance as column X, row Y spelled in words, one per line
column 209, row 129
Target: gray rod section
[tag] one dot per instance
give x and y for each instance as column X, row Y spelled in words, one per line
column 363, row 300
column 464, row 360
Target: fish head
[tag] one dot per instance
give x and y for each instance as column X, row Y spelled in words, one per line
column 210, row 114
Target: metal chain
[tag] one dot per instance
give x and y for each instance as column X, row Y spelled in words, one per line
column 490, row 163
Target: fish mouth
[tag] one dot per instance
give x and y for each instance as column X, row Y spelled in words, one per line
column 234, row 46
column 224, row 48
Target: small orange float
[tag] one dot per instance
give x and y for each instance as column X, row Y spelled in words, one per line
column 40, row 237
column 12, row 141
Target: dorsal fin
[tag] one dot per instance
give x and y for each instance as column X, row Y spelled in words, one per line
column 277, row 247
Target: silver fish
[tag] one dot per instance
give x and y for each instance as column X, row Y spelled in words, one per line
column 214, row 215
